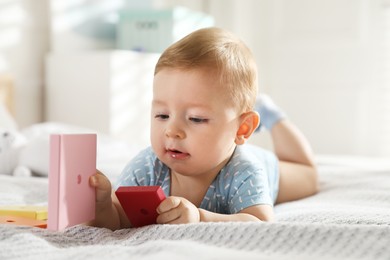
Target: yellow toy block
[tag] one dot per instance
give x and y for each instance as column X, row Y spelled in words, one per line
column 20, row 221
column 32, row 212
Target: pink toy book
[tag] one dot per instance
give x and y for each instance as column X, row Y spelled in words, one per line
column 72, row 162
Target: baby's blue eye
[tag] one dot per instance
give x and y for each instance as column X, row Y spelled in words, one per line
column 198, row 120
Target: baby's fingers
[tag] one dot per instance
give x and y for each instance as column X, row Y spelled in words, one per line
column 102, row 185
column 168, row 204
column 169, row 217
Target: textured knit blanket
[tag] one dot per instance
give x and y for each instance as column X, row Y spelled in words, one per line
column 348, row 219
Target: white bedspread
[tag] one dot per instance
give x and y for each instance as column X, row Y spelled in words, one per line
column 348, row 219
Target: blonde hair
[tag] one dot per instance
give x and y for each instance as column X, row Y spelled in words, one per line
column 219, row 51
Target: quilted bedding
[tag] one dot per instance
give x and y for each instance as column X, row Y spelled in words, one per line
column 348, row 219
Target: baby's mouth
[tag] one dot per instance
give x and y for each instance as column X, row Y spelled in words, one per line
column 174, row 151
column 176, row 154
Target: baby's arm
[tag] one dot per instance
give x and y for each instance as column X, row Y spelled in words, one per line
column 109, row 212
column 178, row 210
column 253, row 213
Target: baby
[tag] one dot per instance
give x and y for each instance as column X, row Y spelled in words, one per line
column 203, row 112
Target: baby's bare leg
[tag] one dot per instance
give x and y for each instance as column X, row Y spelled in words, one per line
column 298, row 174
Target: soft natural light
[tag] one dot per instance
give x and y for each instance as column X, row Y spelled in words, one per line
column 60, row 5
column 10, row 36
column 387, row 78
column 130, row 95
column 3, row 64
column 12, row 16
column 69, row 14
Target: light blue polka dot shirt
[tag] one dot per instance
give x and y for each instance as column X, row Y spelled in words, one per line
column 251, row 177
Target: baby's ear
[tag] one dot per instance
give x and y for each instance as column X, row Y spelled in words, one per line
column 249, row 121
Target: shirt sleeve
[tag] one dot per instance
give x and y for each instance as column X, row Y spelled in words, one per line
column 249, row 191
column 138, row 172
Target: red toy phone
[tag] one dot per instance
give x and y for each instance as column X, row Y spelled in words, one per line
column 140, row 203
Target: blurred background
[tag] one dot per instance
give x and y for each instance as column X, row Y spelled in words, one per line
column 90, row 62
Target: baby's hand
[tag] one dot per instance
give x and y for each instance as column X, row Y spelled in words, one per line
column 177, row 210
column 102, row 186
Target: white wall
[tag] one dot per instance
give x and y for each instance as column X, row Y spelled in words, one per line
column 112, row 96
column 321, row 60
column 23, row 44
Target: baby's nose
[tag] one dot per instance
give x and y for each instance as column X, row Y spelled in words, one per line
column 173, row 131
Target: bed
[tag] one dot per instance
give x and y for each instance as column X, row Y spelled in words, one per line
column 348, row 219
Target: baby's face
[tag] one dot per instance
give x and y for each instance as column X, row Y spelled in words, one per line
column 193, row 127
